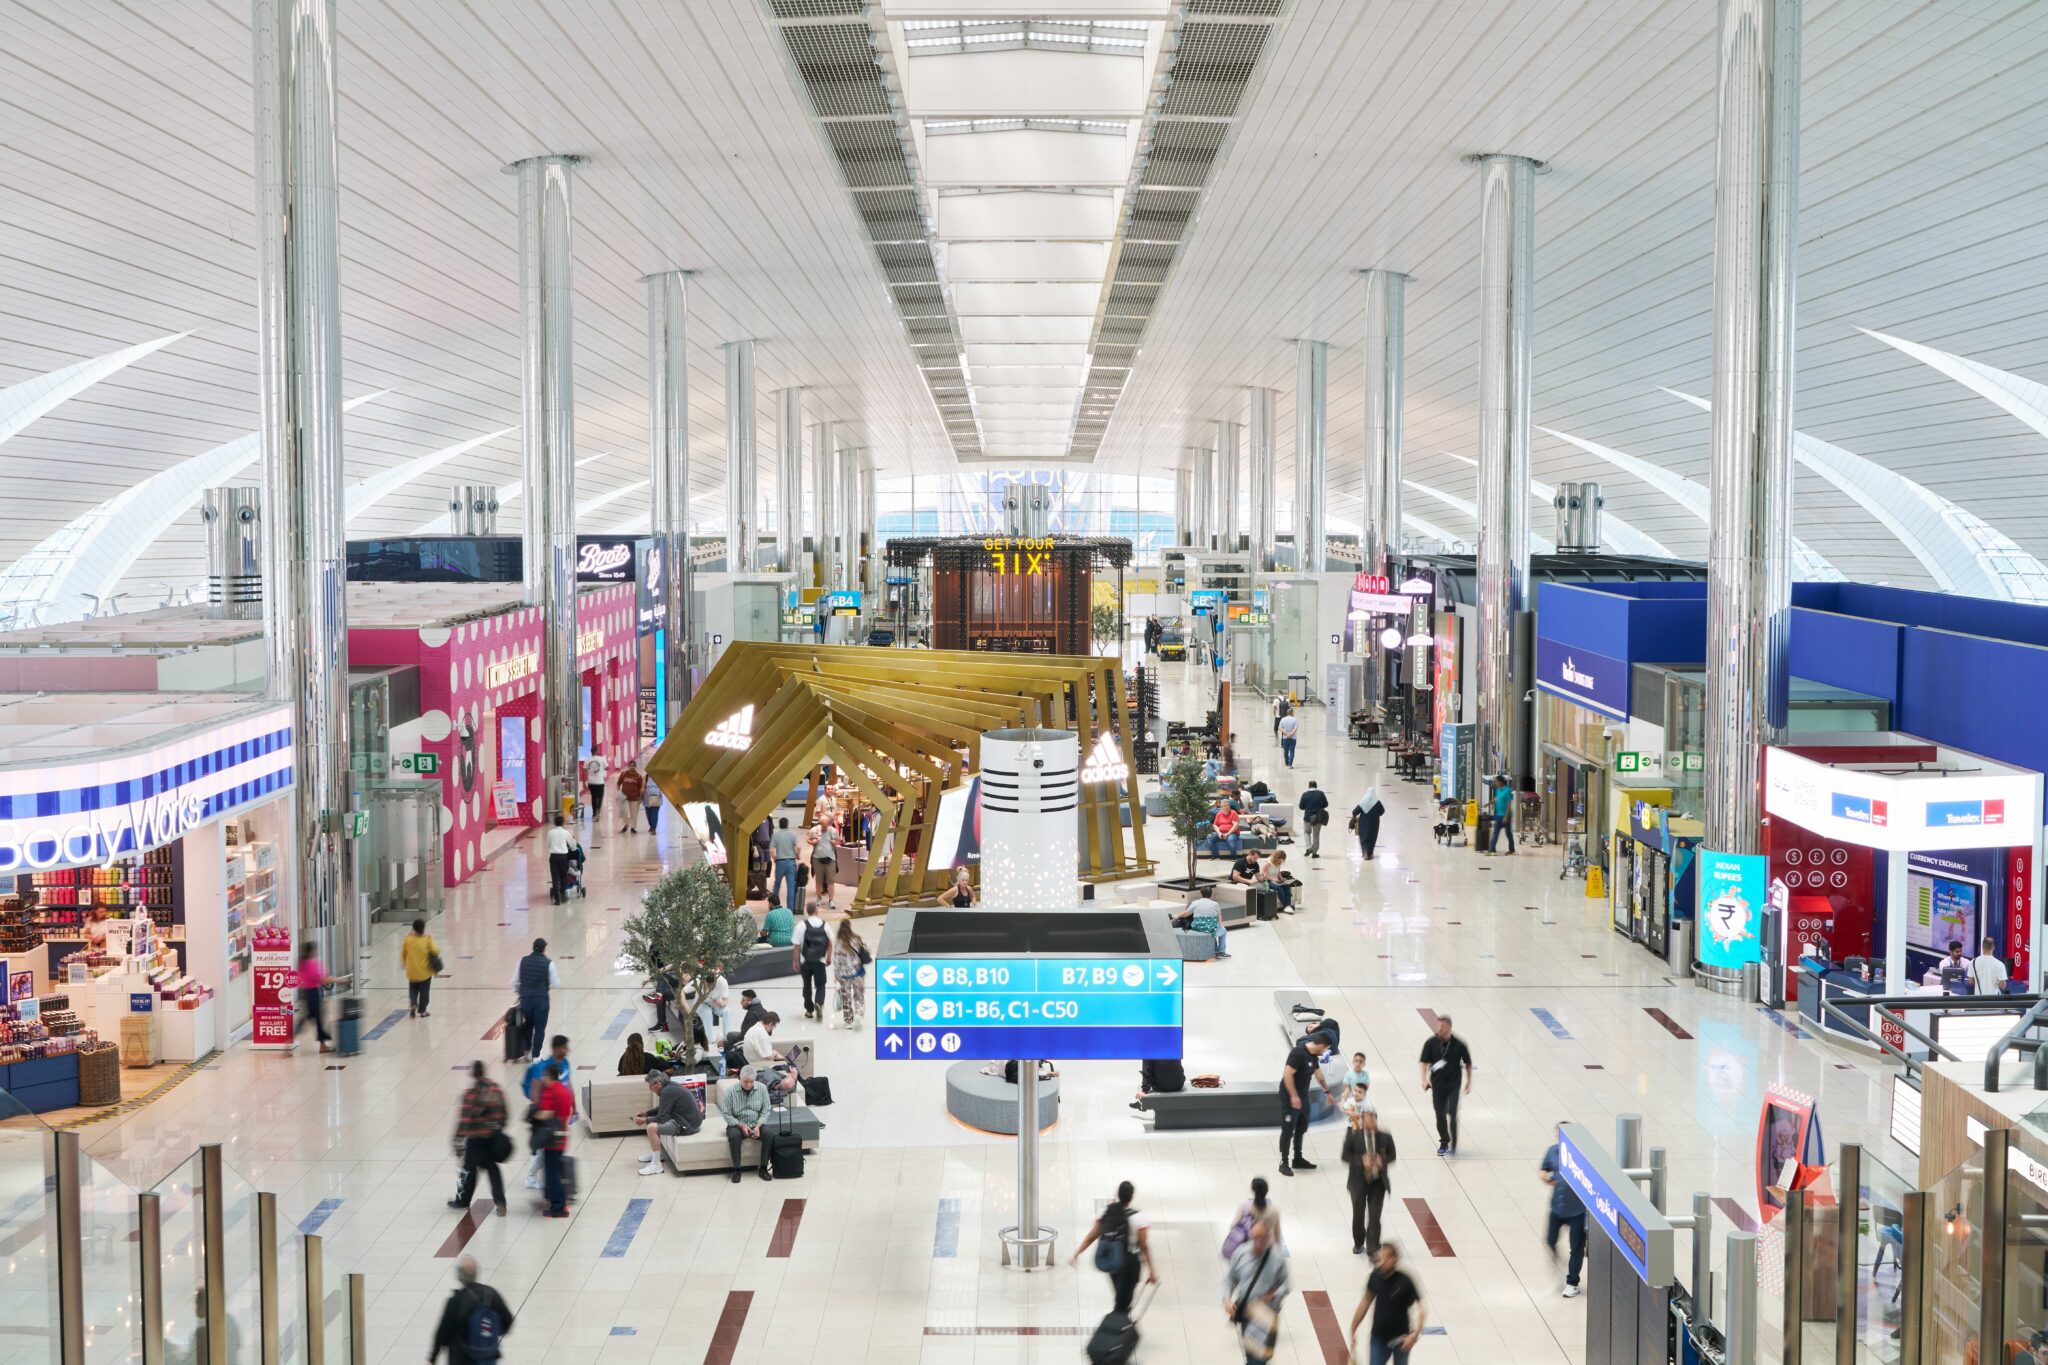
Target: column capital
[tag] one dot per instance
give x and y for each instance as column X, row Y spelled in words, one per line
column 546, row 159
column 1482, row 158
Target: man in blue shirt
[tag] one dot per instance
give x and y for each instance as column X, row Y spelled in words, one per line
column 1566, row 1214
column 1503, row 814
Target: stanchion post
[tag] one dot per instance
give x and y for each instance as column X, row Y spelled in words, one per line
column 1792, row 1224
column 1658, row 1174
column 266, row 1276
column 1702, row 1258
column 316, row 1302
column 213, row 1265
column 1739, row 1330
column 1628, row 1141
column 358, row 1322
column 1848, row 1226
column 70, row 1251
column 149, row 1244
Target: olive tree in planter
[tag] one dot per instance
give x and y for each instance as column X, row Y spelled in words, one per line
column 1106, row 624
column 688, row 921
column 1185, row 786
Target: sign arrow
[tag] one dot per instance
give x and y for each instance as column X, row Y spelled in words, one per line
column 1167, row 975
column 891, row 975
column 891, row 1008
column 893, row 1041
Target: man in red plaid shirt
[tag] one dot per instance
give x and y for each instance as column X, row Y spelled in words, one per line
column 480, row 1138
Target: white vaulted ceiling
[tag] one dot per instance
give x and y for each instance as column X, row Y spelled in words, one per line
column 128, row 217
column 1925, row 144
column 1064, row 231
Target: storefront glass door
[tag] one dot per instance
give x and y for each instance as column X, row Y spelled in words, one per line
column 398, row 868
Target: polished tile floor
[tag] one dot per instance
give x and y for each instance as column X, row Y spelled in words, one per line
column 885, row 1251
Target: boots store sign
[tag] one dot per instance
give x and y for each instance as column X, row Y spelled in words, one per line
column 89, row 813
column 600, row 560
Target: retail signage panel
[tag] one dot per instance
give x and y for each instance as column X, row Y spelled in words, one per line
column 988, row 1009
column 1733, row 893
column 650, row 595
column 1615, row 1205
column 1381, row 604
column 276, row 980
column 505, row 672
column 80, row 814
column 603, row 560
column 1207, row 601
column 841, row 603
column 1591, row 680
column 1903, row 813
column 1905, row 1114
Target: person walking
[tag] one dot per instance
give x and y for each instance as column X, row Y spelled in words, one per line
column 593, row 779
column 553, row 1110
column 560, row 848
column 850, row 958
column 1314, row 806
column 480, row 1139
column 809, row 958
column 1249, row 1212
column 632, row 786
column 1398, row 1314
column 1503, row 814
column 421, row 958
column 782, row 845
column 1367, row 1153
column 672, row 1111
column 1122, row 1248
column 1301, row 1071
column 554, row 1062
column 1254, row 1284
column 650, row 801
column 1567, row 1215
column 1290, row 731
column 534, row 980
column 824, row 865
column 1444, row 1054
column 311, row 978
column 475, row 1321
column 1365, row 820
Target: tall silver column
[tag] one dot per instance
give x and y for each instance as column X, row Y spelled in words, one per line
column 1384, row 357
column 1507, row 255
column 742, row 502
column 849, row 518
column 1749, row 474
column 825, row 515
column 868, row 535
column 548, row 440
column 668, row 471
column 1184, row 506
column 298, row 306
column 1202, row 463
column 789, row 479
column 1259, row 470
column 1229, row 527
column 1311, row 454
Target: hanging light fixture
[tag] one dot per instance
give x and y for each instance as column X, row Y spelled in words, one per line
column 1391, row 638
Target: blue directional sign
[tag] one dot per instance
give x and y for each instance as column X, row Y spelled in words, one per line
column 956, row 1008
column 1617, row 1207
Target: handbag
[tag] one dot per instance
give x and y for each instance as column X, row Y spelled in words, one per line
column 501, row 1146
column 434, row 963
column 817, row 1090
column 1258, row 1324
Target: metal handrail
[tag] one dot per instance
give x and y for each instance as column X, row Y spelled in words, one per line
column 2012, row 1039
column 1886, row 1008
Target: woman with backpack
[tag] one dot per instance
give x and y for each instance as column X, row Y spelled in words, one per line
column 850, row 958
column 1121, row 1247
column 1249, row 1212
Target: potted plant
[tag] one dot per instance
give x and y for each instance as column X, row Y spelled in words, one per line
column 1184, row 785
column 1106, row 624
column 688, row 921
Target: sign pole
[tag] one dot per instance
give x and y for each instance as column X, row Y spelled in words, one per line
column 1031, row 1246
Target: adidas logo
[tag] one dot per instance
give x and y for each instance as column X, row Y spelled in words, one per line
column 1105, row 761
column 735, row 731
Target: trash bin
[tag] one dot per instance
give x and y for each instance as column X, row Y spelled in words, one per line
column 1297, row 686
column 348, row 1028
column 1678, row 947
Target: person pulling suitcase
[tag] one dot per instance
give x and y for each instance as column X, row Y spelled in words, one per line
column 1122, row 1248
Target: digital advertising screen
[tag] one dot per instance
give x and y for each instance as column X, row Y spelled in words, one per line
column 704, row 823
column 1207, row 601
column 956, row 829
column 1941, row 909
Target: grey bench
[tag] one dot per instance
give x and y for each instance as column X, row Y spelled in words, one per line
column 1283, row 1005
column 989, row 1103
column 1196, row 945
column 1235, row 1104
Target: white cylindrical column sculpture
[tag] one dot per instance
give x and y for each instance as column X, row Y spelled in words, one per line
column 1030, row 832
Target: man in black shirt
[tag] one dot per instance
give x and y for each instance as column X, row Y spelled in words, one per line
column 1315, row 813
column 1300, row 1073
column 1396, row 1307
column 1442, row 1057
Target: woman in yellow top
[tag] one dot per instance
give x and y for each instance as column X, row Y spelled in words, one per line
column 421, row 955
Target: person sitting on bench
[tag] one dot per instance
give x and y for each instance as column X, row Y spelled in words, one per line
column 1223, row 827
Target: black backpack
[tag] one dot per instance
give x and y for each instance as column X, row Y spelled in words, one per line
column 1113, row 1245
column 817, row 943
column 484, row 1331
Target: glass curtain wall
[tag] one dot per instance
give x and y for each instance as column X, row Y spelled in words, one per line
column 964, row 503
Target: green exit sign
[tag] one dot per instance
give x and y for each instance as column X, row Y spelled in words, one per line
column 425, row 765
column 358, row 823
column 1628, row 761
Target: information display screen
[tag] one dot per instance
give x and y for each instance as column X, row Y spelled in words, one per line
column 995, row 1008
column 704, row 823
column 1941, row 910
column 956, row 830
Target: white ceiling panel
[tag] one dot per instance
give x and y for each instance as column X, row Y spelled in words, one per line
column 1022, row 83
column 1025, row 157
column 1083, row 261
column 1073, row 330
column 1006, row 355
column 1047, row 299
column 1014, row 215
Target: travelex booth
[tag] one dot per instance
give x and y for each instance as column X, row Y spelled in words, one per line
column 1903, row 812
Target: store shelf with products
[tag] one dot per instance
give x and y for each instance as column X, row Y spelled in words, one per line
column 58, row 905
column 251, row 882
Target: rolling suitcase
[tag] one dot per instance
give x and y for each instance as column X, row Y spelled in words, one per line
column 1116, row 1337
column 515, row 1034
column 785, row 1151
